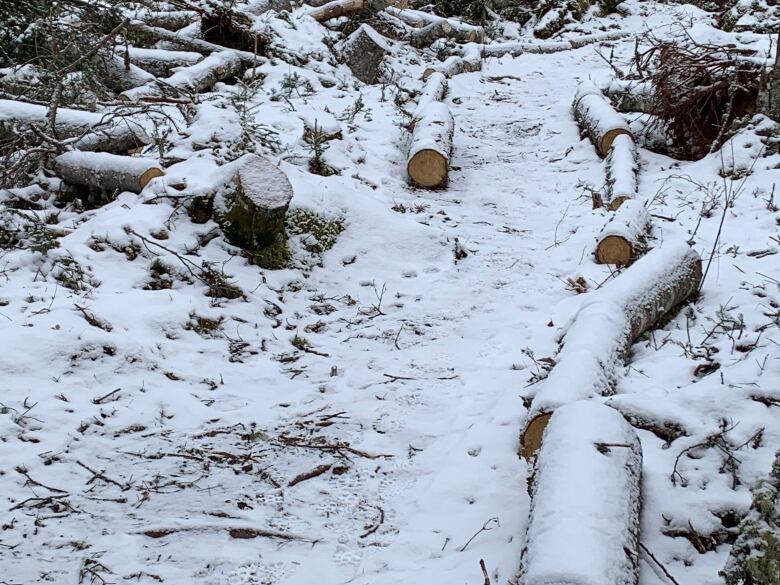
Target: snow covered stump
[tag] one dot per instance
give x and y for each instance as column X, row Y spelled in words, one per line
column 585, row 498
column 254, row 212
column 363, row 52
column 620, row 312
column 106, row 172
column 597, row 117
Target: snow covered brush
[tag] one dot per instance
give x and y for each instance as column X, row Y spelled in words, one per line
column 598, row 339
column 583, row 527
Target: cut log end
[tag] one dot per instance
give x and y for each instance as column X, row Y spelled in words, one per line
column 532, row 437
column 615, row 204
column 615, row 250
column 147, row 176
column 608, row 138
column 428, row 168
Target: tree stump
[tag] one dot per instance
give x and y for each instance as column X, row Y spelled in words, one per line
column 363, row 52
column 253, row 213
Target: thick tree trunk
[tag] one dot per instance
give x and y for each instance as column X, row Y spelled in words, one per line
column 118, row 75
column 458, row 31
column 338, row 8
column 106, row 172
column 252, row 215
column 434, row 90
column 98, row 132
column 667, row 420
column 583, row 526
column 624, row 238
column 516, row 49
column 622, row 169
column 192, row 79
column 171, row 20
column 597, row 118
column 159, row 62
column 599, row 339
column 429, row 155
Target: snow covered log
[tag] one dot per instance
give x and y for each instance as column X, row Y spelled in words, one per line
column 106, row 172
column 168, row 19
column 458, row 31
column 338, row 8
column 119, row 75
column 426, row 36
column 624, row 238
column 253, row 214
column 586, row 364
column 583, row 527
column 597, row 118
column 159, row 62
column 97, row 132
column 192, row 79
column 434, row 90
column 363, row 52
column 622, row 167
column 631, row 95
column 469, row 61
column 429, row 155
column 516, row 49
column 559, row 13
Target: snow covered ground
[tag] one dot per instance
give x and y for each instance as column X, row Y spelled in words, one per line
column 161, row 445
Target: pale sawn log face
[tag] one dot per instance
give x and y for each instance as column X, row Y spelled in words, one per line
column 428, row 168
column 615, row 250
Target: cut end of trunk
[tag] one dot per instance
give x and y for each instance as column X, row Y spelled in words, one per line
column 149, row 175
column 609, row 138
column 532, row 437
column 428, row 168
column 614, row 250
column 615, row 204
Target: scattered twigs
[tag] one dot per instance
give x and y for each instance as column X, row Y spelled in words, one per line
column 30, row 481
column 658, row 563
column 100, row 475
column 237, row 532
column 316, row 472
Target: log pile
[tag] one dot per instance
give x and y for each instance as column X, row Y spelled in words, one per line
column 585, row 499
column 621, row 311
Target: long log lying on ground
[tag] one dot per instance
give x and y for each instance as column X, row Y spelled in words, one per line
column 434, row 90
column 597, row 118
column 192, row 79
column 118, row 75
column 583, row 527
column 624, row 238
column 622, row 169
column 458, row 31
column 516, row 49
column 168, row 19
column 159, row 62
column 98, row 132
column 429, row 154
column 193, row 44
column 338, row 8
column 598, row 340
column 106, row 172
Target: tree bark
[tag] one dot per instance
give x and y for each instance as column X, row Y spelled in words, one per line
column 458, row 31
column 622, row 169
column 597, row 118
column 192, row 79
column 585, row 496
column 170, row 19
column 106, row 172
column 599, row 338
column 429, row 155
column 338, row 8
column 624, row 238
column 434, row 90
column 516, row 49
column 631, row 95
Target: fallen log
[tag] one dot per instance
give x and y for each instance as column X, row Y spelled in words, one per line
column 95, row 131
column 599, row 338
column 429, row 155
column 118, row 75
column 159, row 62
column 516, row 49
column 106, row 172
column 583, row 527
column 468, row 62
column 458, row 31
column 192, row 79
column 622, row 168
column 597, row 118
column 339, row 8
column 624, row 238
column 252, row 214
column 631, row 95
column 665, row 419
column 167, row 19
column 434, row 90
